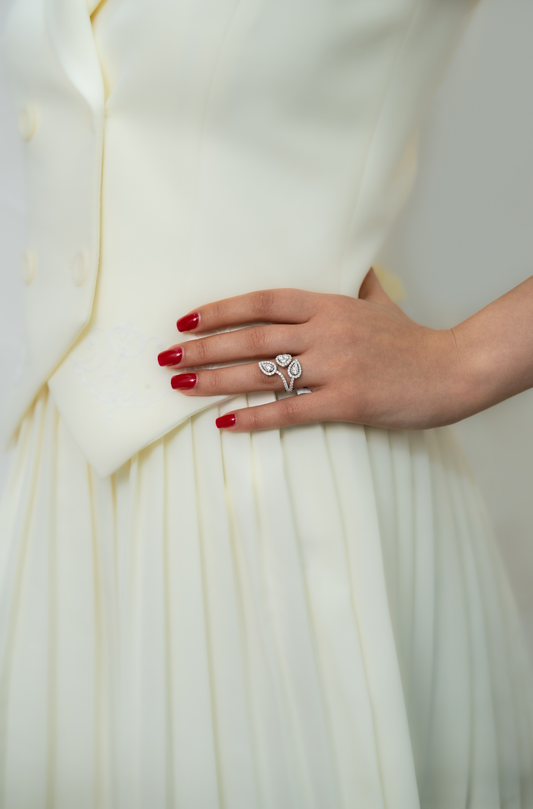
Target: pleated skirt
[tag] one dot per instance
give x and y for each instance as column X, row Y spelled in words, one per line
column 312, row 618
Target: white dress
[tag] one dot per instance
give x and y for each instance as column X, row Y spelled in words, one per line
column 311, row 618
column 315, row 617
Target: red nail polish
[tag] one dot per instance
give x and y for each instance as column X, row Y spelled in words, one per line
column 226, row 421
column 188, row 322
column 171, row 357
column 183, row 381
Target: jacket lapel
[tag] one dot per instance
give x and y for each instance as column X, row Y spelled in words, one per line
column 70, row 31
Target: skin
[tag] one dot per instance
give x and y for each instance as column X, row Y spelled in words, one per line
column 364, row 359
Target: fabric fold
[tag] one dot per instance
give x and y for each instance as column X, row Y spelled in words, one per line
column 292, row 619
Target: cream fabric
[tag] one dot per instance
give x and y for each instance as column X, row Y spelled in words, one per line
column 311, row 619
column 247, row 144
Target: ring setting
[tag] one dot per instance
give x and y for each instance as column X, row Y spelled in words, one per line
column 294, row 369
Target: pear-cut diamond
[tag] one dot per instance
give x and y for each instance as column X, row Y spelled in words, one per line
column 294, row 370
column 283, row 359
column 268, row 367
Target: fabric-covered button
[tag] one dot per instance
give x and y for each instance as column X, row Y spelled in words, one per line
column 80, row 267
column 27, row 120
column 27, row 266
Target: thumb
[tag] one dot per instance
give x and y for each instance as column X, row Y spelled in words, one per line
column 372, row 290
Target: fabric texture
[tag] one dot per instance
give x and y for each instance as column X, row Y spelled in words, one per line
column 183, row 151
column 306, row 619
column 312, row 618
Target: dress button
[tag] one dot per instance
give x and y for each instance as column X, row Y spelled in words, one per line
column 27, row 121
column 80, row 267
column 27, row 266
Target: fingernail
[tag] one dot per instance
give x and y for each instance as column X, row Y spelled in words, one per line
column 171, row 357
column 188, row 322
column 226, row 421
column 183, row 381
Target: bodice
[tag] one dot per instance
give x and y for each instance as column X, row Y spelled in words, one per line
column 186, row 150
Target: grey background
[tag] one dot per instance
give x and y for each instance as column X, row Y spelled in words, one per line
column 465, row 238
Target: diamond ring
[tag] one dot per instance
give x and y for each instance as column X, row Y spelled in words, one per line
column 294, row 369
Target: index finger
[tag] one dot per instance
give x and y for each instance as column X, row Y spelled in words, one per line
column 268, row 305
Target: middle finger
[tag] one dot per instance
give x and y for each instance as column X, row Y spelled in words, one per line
column 255, row 341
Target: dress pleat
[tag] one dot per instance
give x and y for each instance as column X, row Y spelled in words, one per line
column 311, row 618
column 26, row 642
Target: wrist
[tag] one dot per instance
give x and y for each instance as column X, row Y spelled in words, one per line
column 454, row 368
column 482, row 375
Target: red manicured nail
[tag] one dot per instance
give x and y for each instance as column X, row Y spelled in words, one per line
column 188, row 322
column 171, row 357
column 183, row 381
column 226, row 421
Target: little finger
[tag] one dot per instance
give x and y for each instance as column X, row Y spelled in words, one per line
column 285, row 412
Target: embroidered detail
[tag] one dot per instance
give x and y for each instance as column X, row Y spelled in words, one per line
column 119, row 367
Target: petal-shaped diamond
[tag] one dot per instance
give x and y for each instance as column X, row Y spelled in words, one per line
column 294, row 370
column 268, row 367
column 283, row 359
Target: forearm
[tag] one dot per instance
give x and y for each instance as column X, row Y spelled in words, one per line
column 495, row 349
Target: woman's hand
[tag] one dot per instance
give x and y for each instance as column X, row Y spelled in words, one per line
column 364, row 360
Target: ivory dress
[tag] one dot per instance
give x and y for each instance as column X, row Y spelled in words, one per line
column 311, row 618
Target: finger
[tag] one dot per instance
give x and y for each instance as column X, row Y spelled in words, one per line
column 247, row 343
column 245, row 378
column 371, row 290
column 270, row 305
column 305, row 409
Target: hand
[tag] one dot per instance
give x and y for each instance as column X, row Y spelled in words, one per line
column 363, row 358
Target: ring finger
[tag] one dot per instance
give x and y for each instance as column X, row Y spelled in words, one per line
column 244, row 378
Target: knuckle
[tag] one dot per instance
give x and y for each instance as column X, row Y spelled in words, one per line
column 253, row 420
column 255, row 339
column 338, row 334
column 352, row 402
column 215, row 380
column 263, row 302
column 202, row 350
column 290, row 408
column 217, row 313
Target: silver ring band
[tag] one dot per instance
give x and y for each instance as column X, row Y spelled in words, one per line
column 294, row 370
